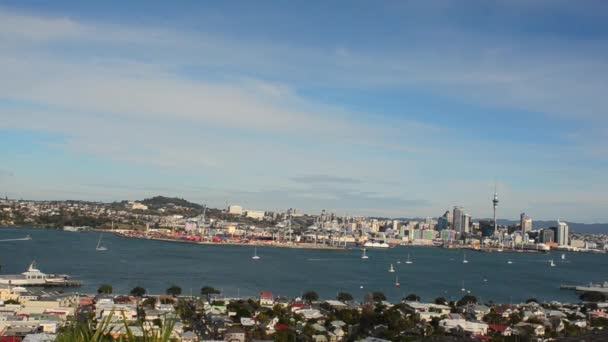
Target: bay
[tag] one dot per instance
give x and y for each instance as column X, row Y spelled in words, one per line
column 156, row 265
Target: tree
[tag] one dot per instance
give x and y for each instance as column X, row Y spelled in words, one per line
column 412, row 297
column 310, row 296
column 174, row 290
column 467, row 299
column 208, row 291
column 344, row 297
column 593, row 297
column 11, row 301
column 105, row 289
column 138, row 291
column 378, row 296
column 441, row 301
column 531, row 300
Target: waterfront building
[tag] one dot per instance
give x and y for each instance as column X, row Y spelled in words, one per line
column 562, row 233
column 466, row 223
column 254, row 214
column 235, row 210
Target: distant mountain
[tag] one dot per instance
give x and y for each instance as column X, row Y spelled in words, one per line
column 157, row 202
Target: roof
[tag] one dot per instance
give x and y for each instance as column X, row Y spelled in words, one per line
column 498, row 327
column 266, row 295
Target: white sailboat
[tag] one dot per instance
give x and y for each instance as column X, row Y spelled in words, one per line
column 391, row 269
column 409, row 261
column 462, row 288
column 551, row 263
column 99, row 246
column 509, row 262
column 397, row 284
column 255, row 254
column 364, row 256
column 563, row 255
column 464, row 259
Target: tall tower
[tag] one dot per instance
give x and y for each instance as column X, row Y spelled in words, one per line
column 495, row 204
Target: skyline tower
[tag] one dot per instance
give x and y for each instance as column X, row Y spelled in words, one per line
column 495, row 204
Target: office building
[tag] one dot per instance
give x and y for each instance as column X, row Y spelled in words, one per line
column 563, row 233
column 525, row 222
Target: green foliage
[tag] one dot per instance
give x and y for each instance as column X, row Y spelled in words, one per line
column 138, row 291
column 208, row 291
column 174, row 290
column 105, row 289
column 531, row 300
column 378, row 296
column 441, row 301
column 11, row 301
column 344, row 297
column 467, row 299
column 310, row 296
column 412, row 297
column 89, row 332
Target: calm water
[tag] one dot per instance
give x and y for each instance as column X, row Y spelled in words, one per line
column 435, row 272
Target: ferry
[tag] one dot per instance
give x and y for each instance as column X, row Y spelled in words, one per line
column 373, row 244
column 34, row 277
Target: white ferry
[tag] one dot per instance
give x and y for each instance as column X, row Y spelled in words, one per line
column 373, row 244
column 34, row 277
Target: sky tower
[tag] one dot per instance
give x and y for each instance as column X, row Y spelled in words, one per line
column 495, row 204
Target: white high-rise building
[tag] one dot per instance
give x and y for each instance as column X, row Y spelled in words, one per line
column 466, row 223
column 562, row 233
column 235, row 210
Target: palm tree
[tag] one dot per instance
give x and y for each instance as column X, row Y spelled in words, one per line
column 412, row 297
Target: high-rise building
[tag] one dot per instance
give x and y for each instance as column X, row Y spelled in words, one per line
column 442, row 223
column 525, row 223
column 466, row 223
column 457, row 216
column 448, row 215
column 547, row 235
column 562, row 233
column 235, row 210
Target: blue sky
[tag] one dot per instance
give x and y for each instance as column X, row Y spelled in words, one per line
column 401, row 108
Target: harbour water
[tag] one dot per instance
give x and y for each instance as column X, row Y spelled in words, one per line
column 156, row 265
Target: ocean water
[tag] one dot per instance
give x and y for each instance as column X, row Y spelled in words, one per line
column 156, row 265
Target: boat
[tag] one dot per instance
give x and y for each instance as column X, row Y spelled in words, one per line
column 374, row 244
column 34, row 277
column 563, row 256
column 551, row 263
column 464, row 259
column 391, row 269
column 364, row 256
column 603, row 288
column 99, row 246
column 462, row 288
column 509, row 262
column 398, row 261
column 397, row 284
column 409, row 261
column 26, row 238
column 255, row 254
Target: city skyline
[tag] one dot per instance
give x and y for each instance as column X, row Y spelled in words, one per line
column 314, row 107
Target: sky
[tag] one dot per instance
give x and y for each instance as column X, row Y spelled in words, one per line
column 390, row 108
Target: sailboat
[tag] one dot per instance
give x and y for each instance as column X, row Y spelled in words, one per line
column 464, row 259
column 397, row 284
column 99, row 246
column 398, row 261
column 462, row 288
column 364, row 256
column 563, row 255
column 551, row 263
column 509, row 262
column 409, row 261
column 392, row 269
column 255, row 254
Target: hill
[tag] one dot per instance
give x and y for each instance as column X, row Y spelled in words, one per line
column 157, row 202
